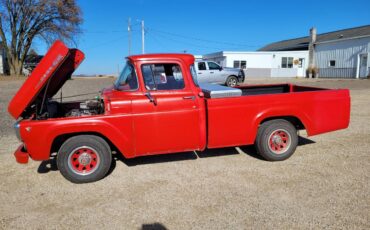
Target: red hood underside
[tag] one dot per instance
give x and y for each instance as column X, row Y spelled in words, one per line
column 54, row 69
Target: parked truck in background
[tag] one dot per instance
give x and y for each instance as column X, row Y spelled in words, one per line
column 156, row 106
column 211, row 72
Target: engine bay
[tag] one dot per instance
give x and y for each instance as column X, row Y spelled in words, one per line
column 55, row 109
column 86, row 108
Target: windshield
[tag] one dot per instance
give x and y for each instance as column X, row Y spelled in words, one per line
column 127, row 79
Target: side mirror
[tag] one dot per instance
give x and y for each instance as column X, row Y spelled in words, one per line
column 221, row 68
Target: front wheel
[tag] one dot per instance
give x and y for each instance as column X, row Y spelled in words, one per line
column 231, row 81
column 276, row 140
column 84, row 158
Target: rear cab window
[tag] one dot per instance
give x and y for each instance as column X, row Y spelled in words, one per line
column 163, row 76
column 202, row 66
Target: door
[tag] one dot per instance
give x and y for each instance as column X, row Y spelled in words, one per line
column 216, row 73
column 363, row 66
column 203, row 73
column 301, row 65
column 166, row 119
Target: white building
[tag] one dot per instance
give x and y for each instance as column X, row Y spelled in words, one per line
column 338, row 54
column 264, row 64
column 346, row 58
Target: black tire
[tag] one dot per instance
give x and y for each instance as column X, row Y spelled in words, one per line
column 84, row 158
column 276, row 140
column 231, row 81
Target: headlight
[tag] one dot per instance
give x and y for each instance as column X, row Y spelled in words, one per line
column 17, row 130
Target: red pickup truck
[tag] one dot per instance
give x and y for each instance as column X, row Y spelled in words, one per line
column 156, row 106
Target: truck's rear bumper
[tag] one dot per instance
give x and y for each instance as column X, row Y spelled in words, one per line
column 21, row 155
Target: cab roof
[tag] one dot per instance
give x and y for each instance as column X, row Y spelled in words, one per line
column 188, row 58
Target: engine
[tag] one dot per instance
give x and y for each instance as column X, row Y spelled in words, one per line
column 87, row 108
column 54, row 109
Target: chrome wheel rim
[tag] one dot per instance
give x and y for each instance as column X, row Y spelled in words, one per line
column 83, row 160
column 279, row 141
column 232, row 82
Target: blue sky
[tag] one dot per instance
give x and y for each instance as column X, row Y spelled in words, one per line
column 201, row 27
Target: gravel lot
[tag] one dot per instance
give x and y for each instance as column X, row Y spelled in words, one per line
column 325, row 184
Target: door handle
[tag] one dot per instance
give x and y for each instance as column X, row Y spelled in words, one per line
column 151, row 98
column 199, row 73
column 189, row 97
column 210, row 72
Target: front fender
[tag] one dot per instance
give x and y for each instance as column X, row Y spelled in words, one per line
column 38, row 136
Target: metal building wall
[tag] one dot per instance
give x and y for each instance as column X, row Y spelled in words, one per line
column 345, row 53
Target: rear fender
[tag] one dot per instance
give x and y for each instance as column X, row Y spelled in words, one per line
column 280, row 113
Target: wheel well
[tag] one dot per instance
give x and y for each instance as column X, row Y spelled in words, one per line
column 293, row 120
column 59, row 140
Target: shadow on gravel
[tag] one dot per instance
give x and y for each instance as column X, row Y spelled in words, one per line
column 251, row 150
column 156, row 158
column 304, row 141
column 47, row 166
column 217, row 152
column 51, row 165
column 154, row 226
column 163, row 158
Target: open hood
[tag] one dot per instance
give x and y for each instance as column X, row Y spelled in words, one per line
column 54, row 69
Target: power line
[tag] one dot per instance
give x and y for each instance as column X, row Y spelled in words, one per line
column 200, row 39
column 204, row 47
column 106, row 42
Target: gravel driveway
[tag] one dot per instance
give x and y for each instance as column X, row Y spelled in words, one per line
column 325, row 184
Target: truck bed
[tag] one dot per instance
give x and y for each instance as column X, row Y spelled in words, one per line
column 234, row 121
column 275, row 89
column 218, row 91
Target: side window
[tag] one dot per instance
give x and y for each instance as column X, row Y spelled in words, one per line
column 243, row 64
column 236, row 64
column 287, row 62
column 213, row 66
column 284, row 62
column 290, row 62
column 162, row 76
column 202, row 66
column 332, row 63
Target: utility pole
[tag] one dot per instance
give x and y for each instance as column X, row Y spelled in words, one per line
column 142, row 37
column 129, row 36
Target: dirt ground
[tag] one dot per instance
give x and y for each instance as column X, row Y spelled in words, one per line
column 325, row 184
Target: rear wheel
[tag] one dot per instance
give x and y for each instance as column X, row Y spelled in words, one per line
column 231, row 81
column 276, row 140
column 84, row 158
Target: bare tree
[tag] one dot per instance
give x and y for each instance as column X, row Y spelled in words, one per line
column 21, row 21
